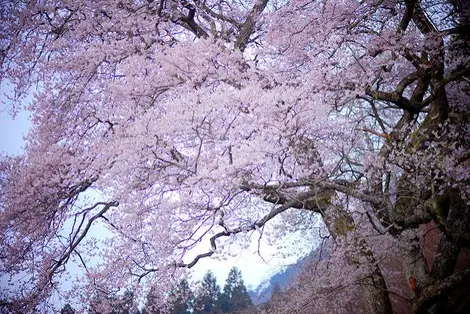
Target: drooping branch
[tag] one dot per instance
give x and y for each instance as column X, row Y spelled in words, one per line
column 46, row 282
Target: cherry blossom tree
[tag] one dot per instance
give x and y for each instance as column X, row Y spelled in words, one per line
column 179, row 124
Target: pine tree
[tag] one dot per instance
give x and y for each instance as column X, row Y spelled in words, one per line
column 113, row 304
column 99, row 303
column 152, row 303
column 208, row 295
column 67, row 309
column 182, row 298
column 235, row 296
column 126, row 304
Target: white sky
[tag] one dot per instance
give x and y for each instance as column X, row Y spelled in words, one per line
column 256, row 267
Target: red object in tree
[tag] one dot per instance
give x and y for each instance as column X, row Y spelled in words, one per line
column 413, row 283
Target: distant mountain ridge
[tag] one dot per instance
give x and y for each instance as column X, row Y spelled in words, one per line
column 262, row 293
column 285, row 277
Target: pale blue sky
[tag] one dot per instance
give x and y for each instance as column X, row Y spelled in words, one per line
column 12, row 131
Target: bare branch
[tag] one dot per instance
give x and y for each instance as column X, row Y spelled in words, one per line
column 259, row 224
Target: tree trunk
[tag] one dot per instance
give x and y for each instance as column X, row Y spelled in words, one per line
column 374, row 288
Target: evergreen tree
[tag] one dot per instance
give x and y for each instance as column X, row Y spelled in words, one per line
column 224, row 303
column 67, row 309
column 99, row 303
column 208, row 295
column 113, row 304
column 153, row 303
column 235, row 296
column 126, row 304
column 182, row 298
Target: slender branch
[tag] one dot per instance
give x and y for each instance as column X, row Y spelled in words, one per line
column 226, row 233
column 63, row 260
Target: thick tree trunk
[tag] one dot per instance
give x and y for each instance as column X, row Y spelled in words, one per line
column 416, row 267
column 448, row 249
column 376, row 296
column 374, row 288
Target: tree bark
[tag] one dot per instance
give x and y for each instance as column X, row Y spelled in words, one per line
column 374, row 289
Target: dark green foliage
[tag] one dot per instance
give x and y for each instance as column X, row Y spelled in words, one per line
column 67, row 309
column 126, row 304
column 99, row 303
column 235, row 296
column 152, row 304
column 207, row 299
column 208, row 295
column 113, row 304
column 182, row 298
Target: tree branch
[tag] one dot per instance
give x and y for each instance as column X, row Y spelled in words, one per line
column 260, row 223
column 396, row 98
column 247, row 28
column 433, row 292
column 65, row 256
column 407, row 16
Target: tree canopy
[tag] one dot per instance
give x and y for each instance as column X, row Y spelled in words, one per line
column 178, row 124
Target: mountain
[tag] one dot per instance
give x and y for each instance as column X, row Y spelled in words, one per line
column 284, row 277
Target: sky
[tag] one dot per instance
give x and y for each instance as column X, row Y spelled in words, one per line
column 12, row 131
column 255, row 269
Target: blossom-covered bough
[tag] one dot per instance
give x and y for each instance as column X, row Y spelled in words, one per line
column 174, row 123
